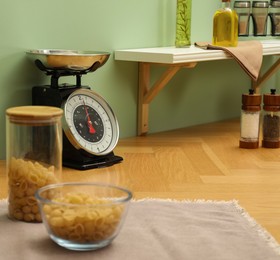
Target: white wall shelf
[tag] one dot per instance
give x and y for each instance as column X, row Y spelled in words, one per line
column 175, row 59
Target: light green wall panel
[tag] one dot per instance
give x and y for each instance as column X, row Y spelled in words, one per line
column 209, row 92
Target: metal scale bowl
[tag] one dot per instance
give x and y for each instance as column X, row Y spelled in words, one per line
column 90, row 128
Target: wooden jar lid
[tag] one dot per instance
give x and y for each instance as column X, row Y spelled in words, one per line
column 33, row 113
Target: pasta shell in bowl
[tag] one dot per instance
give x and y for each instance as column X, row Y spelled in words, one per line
column 83, row 216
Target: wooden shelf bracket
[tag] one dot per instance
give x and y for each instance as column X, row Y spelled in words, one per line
column 147, row 93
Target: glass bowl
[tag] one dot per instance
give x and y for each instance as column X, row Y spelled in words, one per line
column 83, row 216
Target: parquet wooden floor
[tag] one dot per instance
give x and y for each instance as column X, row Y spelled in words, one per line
column 201, row 162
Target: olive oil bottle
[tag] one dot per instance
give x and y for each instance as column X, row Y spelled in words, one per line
column 225, row 26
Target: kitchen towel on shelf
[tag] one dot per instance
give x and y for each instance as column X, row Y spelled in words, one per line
column 248, row 54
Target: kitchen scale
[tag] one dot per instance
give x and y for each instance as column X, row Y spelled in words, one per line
column 90, row 127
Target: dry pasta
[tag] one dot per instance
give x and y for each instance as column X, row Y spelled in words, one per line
column 25, row 177
column 82, row 223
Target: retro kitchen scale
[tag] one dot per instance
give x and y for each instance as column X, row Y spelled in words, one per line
column 90, row 127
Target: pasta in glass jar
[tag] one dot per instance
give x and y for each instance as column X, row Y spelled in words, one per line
column 33, row 157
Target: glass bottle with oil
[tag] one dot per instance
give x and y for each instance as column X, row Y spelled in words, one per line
column 225, row 26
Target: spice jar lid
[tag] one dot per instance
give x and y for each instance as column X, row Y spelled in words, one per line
column 251, row 101
column 242, row 4
column 260, row 4
column 275, row 3
column 25, row 114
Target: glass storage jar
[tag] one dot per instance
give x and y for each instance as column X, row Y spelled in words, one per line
column 259, row 15
column 33, row 156
column 243, row 10
column 274, row 14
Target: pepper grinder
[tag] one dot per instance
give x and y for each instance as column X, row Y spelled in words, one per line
column 271, row 120
column 250, row 120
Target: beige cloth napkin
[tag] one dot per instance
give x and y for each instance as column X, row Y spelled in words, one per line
column 248, row 54
column 155, row 229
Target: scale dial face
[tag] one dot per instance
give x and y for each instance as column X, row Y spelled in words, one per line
column 89, row 122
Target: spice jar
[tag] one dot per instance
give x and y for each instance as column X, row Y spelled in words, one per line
column 271, row 120
column 250, row 120
column 274, row 14
column 33, row 156
column 260, row 14
column 242, row 9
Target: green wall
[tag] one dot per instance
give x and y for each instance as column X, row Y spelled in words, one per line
column 209, row 92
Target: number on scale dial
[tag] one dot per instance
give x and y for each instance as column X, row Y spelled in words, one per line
column 90, row 123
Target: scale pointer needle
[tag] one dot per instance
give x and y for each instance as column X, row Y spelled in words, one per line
column 89, row 123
